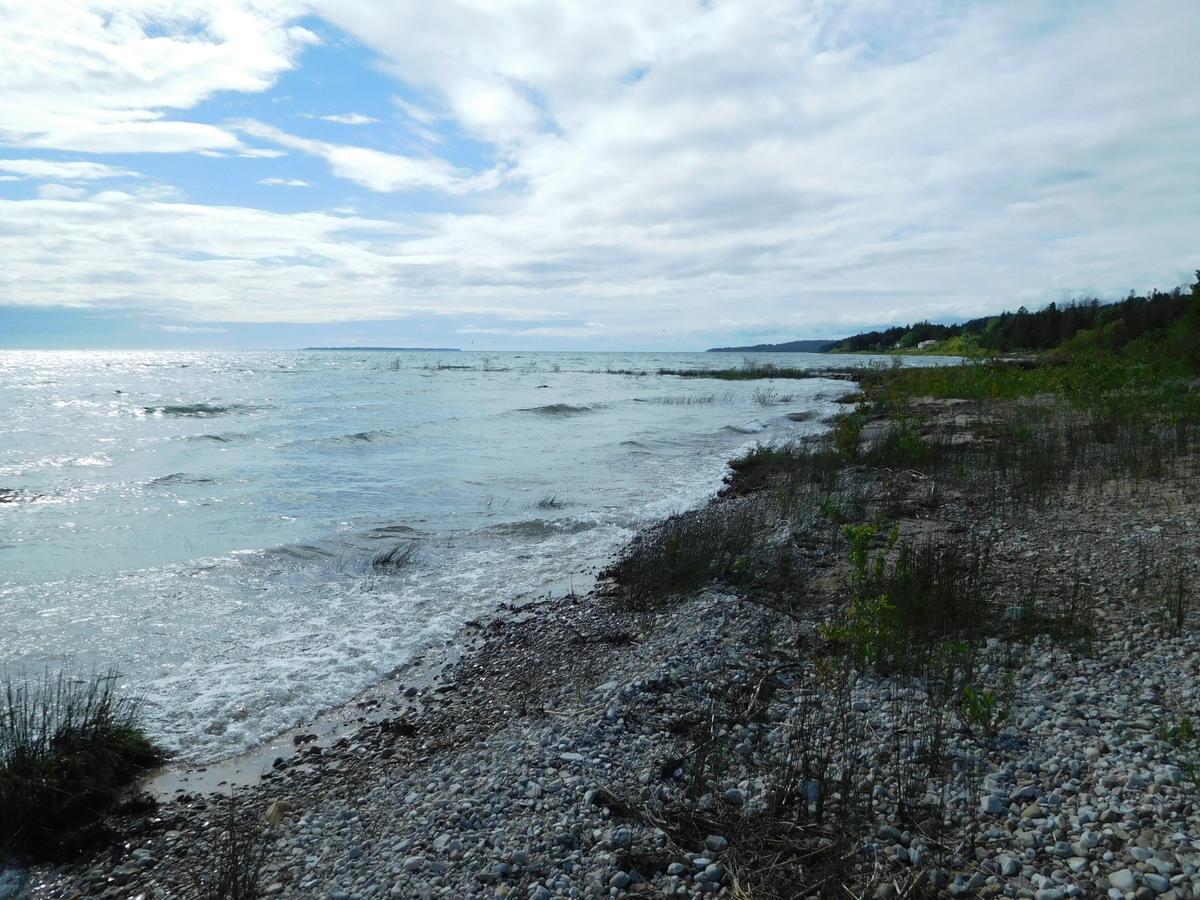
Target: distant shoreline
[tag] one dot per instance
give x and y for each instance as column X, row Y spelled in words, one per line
column 393, row 349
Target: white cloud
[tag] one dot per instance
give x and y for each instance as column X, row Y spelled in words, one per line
column 681, row 167
column 417, row 113
column 191, row 329
column 63, row 171
column 348, row 119
column 374, row 169
column 60, row 192
column 99, row 77
column 284, row 182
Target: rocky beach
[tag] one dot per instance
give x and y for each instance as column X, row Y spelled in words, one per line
column 714, row 742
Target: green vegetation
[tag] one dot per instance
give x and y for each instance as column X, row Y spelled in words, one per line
column 686, row 552
column 1078, row 325
column 748, row 371
column 880, row 535
column 69, row 747
column 237, row 857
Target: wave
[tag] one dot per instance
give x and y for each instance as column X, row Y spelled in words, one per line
column 180, row 478
column 218, row 438
column 542, row 527
column 754, row 427
column 15, row 495
column 301, row 551
column 198, row 410
column 560, row 409
column 353, row 439
column 387, row 531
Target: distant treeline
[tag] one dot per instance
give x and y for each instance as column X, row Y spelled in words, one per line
column 1112, row 324
column 806, row 346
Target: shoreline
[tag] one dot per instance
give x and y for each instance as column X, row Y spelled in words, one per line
column 571, row 749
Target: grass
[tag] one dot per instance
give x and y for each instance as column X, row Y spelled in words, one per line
column 237, row 859
column 934, row 623
column 70, row 746
column 746, row 373
column 686, row 552
column 394, row 558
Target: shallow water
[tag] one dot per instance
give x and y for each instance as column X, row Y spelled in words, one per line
column 206, row 522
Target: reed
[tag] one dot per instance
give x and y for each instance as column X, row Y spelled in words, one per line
column 70, row 745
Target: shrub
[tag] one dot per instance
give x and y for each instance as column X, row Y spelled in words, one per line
column 69, row 746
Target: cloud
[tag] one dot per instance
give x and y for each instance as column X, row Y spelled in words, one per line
column 62, row 171
column 284, row 182
column 682, row 168
column 347, row 119
column 374, row 169
column 190, row 329
column 60, row 192
column 101, row 77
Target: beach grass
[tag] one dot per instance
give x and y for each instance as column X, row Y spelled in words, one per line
column 70, row 746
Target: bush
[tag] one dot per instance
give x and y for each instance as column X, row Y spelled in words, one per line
column 69, row 746
column 686, row 552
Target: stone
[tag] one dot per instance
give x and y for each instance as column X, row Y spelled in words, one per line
column 1156, row 882
column 714, row 843
column 992, row 805
column 620, row 881
column 1122, row 880
column 276, row 811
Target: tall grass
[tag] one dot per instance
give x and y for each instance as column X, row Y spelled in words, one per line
column 238, row 857
column 69, row 746
column 686, row 552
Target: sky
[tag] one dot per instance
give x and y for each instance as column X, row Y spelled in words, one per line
column 532, row 174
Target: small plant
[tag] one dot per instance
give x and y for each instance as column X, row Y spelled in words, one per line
column 847, row 434
column 832, row 510
column 550, row 501
column 69, row 747
column 766, row 396
column 238, row 857
column 1185, row 737
column 685, row 552
column 983, row 709
column 397, row 557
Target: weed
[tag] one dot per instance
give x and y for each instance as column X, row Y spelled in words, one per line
column 397, row 557
column 686, row 551
column 983, row 709
column 69, row 747
column 238, row 857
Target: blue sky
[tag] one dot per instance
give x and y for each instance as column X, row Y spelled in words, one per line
column 535, row 174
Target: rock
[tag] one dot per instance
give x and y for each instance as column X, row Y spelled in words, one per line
column 414, row 863
column 620, row 881
column 276, row 811
column 1122, row 880
column 1156, row 883
column 714, row 843
column 992, row 805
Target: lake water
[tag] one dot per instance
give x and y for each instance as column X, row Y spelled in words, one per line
column 207, row 522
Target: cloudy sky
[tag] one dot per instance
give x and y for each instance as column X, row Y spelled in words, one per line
column 618, row 174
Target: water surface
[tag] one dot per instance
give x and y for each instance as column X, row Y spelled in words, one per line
column 206, row 522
